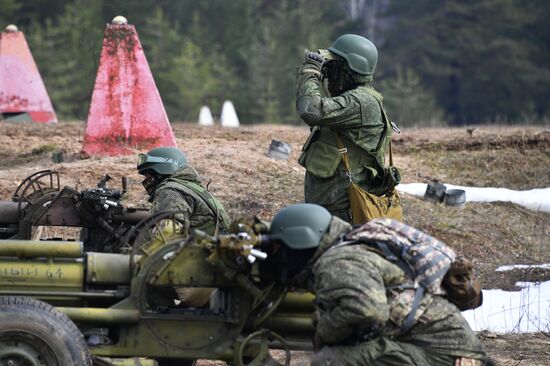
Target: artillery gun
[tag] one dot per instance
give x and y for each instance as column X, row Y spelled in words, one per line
column 39, row 201
column 123, row 305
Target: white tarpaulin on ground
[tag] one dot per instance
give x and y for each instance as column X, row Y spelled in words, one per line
column 522, row 266
column 534, row 199
column 522, row 311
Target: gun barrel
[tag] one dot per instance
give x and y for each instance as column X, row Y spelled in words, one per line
column 290, row 324
column 50, row 279
column 131, row 215
column 297, row 302
column 101, row 315
column 38, row 249
column 9, row 212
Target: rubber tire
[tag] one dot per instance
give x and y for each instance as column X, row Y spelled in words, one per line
column 39, row 322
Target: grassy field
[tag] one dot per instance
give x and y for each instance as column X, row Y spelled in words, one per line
column 247, row 181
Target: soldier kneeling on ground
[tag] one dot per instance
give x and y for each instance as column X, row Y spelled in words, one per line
column 173, row 185
column 371, row 308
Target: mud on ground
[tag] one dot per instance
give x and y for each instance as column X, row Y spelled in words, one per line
column 247, row 181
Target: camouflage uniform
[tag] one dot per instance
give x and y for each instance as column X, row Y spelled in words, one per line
column 357, row 117
column 183, row 193
column 175, row 194
column 360, row 320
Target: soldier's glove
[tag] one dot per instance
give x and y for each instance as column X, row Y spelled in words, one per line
column 314, row 58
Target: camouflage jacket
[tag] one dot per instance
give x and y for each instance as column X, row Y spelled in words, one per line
column 357, row 117
column 176, row 194
column 353, row 288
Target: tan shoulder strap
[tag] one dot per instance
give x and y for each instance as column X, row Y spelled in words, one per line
column 344, row 152
column 391, row 155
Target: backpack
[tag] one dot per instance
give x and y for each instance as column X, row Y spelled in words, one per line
column 427, row 261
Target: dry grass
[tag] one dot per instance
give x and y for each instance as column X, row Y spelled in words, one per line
column 249, row 182
column 507, row 167
column 518, row 349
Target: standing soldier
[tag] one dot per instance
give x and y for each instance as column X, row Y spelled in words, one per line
column 367, row 308
column 350, row 133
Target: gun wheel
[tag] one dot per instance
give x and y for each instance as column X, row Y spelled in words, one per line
column 34, row 334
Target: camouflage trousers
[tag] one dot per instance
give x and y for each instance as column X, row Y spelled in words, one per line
column 331, row 192
column 343, row 214
column 381, row 352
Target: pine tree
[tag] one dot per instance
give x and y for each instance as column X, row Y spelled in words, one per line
column 471, row 54
column 66, row 50
column 161, row 44
column 286, row 29
column 8, row 11
column 407, row 102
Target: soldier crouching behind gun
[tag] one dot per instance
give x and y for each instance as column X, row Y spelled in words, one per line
column 173, row 185
column 363, row 300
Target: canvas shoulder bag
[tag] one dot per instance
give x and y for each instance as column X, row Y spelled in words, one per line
column 366, row 206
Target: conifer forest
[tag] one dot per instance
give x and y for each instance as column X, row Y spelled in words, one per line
column 441, row 62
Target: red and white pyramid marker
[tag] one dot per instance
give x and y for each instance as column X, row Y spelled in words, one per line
column 22, row 91
column 126, row 113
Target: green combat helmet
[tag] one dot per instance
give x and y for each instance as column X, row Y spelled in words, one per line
column 162, row 160
column 360, row 54
column 300, row 226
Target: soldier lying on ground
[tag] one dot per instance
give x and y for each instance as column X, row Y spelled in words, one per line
column 363, row 301
column 173, row 185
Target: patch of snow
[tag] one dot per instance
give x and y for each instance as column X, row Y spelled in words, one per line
column 415, row 189
column 522, row 266
column 534, row 199
column 524, row 311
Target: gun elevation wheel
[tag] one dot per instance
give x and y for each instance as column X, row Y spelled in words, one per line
column 36, row 185
column 33, row 333
column 150, row 234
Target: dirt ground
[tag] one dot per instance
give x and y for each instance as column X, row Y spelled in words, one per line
column 247, row 181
